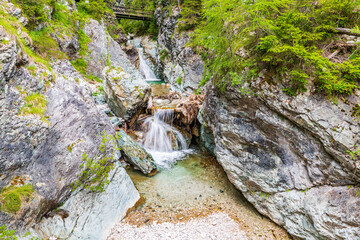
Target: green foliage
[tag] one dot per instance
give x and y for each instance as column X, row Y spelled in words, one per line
column 354, row 154
column 138, row 27
column 96, row 9
column 12, row 197
column 35, row 104
column 80, row 65
column 96, row 169
column 164, row 54
column 35, row 10
column 179, row 80
column 7, row 234
column 190, row 15
column 283, row 37
column 45, row 45
column 12, row 27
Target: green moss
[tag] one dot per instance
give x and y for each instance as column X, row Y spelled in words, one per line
column 45, row 45
column 12, row 197
column 35, row 104
column 179, row 80
column 80, row 65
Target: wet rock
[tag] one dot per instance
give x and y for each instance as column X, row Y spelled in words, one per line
column 288, row 155
column 136, row 155
column 126, row 91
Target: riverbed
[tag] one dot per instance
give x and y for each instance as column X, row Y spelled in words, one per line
column 192, row 195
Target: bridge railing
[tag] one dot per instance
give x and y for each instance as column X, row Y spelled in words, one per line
column 132, row 11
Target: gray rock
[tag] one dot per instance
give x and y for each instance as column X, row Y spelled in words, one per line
column 136, row 155
column 126, row 90
column 47, row 150
column 127, row 97
column 176, row 62
column 288, row 155
column 91, row 215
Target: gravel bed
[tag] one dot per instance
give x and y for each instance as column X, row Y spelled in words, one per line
column 215, row 226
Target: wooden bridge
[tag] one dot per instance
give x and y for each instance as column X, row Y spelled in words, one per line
column 132, row 13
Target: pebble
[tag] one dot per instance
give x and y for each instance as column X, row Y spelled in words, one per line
column 215, row 226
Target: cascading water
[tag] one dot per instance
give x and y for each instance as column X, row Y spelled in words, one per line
column 164, row 142
column 145, row 69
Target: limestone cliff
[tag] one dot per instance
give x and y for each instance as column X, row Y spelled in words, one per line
column 177, row 63
column 289, row 157
column 49, row 120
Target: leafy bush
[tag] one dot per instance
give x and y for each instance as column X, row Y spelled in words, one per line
column 12, row 197
column 190, row 14
column 7, row 234
column 282, row 37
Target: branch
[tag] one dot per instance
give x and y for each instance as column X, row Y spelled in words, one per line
column 347, row 31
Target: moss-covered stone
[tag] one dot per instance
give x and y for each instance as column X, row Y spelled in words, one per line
column 12, row 197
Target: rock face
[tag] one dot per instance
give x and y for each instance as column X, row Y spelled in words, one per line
column 177, row 63
column 136, row 155
column 45, row 148
column 127, row 97
column 91, row 215
column 126, row 90
column 288, row 156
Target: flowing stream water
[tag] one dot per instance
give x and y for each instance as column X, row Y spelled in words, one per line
column 190, row 197
column 162, row 140
column 145, row 69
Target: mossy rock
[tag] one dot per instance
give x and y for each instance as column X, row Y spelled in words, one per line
column 12, row 197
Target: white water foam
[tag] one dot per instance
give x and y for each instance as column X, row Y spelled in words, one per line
column 164, row 142
column 145, row 69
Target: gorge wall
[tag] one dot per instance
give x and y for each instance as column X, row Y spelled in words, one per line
column 49, row 120
column 289, row 156
column 176, row 62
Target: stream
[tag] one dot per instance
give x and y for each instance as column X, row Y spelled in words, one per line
column 191, row 196
column 195, row 188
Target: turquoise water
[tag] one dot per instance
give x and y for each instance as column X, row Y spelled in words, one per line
column 196, row 187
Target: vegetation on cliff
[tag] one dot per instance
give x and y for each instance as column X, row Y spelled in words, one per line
column 293, row 40
column 12, row 197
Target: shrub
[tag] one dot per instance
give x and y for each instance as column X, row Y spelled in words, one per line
column 96, row 169
column 35, row 10
column 283, row 37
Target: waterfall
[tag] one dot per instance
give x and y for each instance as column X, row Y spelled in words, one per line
column 160, row 135
column 145, row 69
column 164, row 142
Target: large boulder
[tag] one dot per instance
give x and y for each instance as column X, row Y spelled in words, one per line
column 136, row 155
column 289, row 157
column 125, row 88
column 126, row 96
